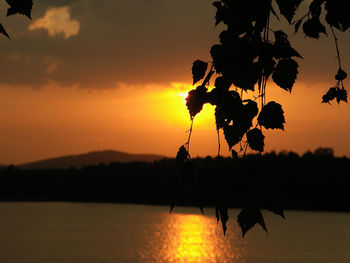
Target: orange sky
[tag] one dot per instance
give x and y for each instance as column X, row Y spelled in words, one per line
column 106, row 81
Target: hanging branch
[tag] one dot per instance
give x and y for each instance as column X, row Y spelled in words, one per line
column 336, row 46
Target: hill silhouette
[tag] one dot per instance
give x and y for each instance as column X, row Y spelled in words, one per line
column 87, row 159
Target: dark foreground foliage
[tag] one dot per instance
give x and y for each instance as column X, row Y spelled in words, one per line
column 315, row 181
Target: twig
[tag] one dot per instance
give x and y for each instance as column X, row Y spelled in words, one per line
column 189, row 137
column 219, row 146
column 336, row 46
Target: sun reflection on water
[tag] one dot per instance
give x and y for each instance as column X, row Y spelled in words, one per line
column 194, row 238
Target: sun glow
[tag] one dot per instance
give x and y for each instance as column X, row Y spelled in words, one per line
column 170, row 107
column 183, row 95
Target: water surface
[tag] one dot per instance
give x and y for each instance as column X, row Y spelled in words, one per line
column 113, row 233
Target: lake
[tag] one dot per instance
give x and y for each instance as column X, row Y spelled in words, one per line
column 113, row 233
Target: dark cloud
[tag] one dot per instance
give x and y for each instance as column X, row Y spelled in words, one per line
column 118, row 41
column 142, row 41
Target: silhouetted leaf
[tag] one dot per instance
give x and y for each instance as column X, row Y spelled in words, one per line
column 341, row 75
column 198, row 70
column 219, row 57
column 231, row 105
column 335, row 93
column 246, row 75
column 274, row 13
column 234, row 154
column 217, row 214
column 23, row 7
column 222, row 83
column 248, row 217
column 219, row 118
column 224, row 218
column 182, row 155
column 272, row 116
column 285, row 74
column 282, row 48
column 297, row 25
column 195, row 100
column 315, row 7
column 277, row 211
column 266, row 61
column 342, row 95
column 338, row 14
column 171, row 208
column 3, row 31
column 233, row 134
column 256, row 140
column 288, row 8
column 251, row 108
column 313, row 28
column 330, row 95
column 219, row 12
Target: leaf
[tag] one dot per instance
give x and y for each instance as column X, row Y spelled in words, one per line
column 338, row 14
column 297, row 25
column 282, row 48
column 278, row 211
column 315, row 7
column 199, row 68
column 3, row 31
column 222, row 83
column 285, row 74
column 224, row 218
column 182, row 155
column 219, row 57
column 335, row 93
column 285, row 51
column 219, row 12
column 23, row 7
column 234, row 154
column 313, row 28
column 342, row 95
column 248, row 217
column 171, row 208
column 251, row 108
column 195, row 100
column 288, row 8
column 341, row 75
column 274, row 13
column 272, row 116
column 266, row 61
column 256, row 140
column 219, row 118
column 246, row 75
column 330, row 95
column 233, row 135
column 217, row 214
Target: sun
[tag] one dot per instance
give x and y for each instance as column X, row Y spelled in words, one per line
column 184, row 95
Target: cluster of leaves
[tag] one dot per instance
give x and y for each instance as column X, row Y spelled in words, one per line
column 23, row 7
column 243, row 62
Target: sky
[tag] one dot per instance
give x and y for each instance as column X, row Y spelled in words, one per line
column 88, row 75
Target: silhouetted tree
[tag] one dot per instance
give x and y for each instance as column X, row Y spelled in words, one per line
column 324, row 152
column 250, row 54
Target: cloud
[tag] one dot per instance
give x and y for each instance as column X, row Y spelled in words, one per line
column 51, row 64
column 57, row 20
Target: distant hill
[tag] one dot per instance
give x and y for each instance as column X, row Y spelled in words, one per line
column 91, row 158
